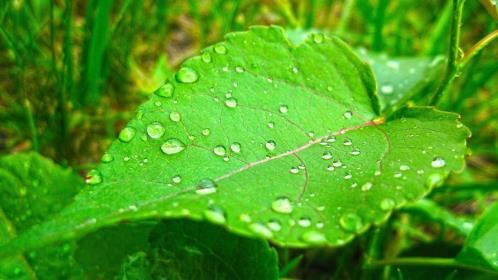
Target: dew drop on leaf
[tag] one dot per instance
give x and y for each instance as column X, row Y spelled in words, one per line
column 215, row 215
column 387, row 204
column 93, row 177
column 206, row 186
column 355, row 152
column 165, row 90
column 304, row 222
column 235, row 147
column 155, row 130
column 231, row 102
column 106, row 158
column 205, row 132
column 283, row 109
column 220, row 49
column 175, row 116
column 351, row 222
column 127, row 134
column 313, row 237
column 326, row 156
column 318, row 38
column 438, row 162
column 404, row 167
column 270, row 145
column 206, row 57
column 294, row 170
column 172, row 146
column 348, row 115
column 187, row 75
column 367, row 186
column 282, row 205
column 260, row 230
column 176, row 179
column 387, row 89
column 274, row 225
column 219, row 150
column 347, row 142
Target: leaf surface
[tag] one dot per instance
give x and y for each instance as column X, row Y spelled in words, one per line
column 271, row 140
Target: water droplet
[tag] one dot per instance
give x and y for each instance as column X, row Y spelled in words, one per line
column 127, row 134
column 205, row 131
column 318, row 38
column 337, row 163
column 270, row 145
column 235, row 147
column 438, row 162
column 239, row 69
column 206, row 186
column 434, row 180
column 348, row 115
column 165, row 90
column 271, row 124
column 206, row 57
column 351, row 222
column 295, row 70
column 330, row 168
column 220, row 49
column 274, row 225
column 304, row 222
column 387, row 204
column 215, row 215
column 282, row 205
column 260, row 230
column 231, row 102
column 326, row 156
column 177, row 179
column 106, row 158
column 348, row 176
column 387, row 89
column 366, row 187
column 314, row 237
column 331, row 139
column 155, row 130
column 187, row 75
column 172, row 146
column 404, row 167
column 245, row 218
column 294, row 170
column 355, row 152
column 93, row 177
column 219, row 150
column 283, row 109
column 175, row 116
column 347, row 142
column 398, row 175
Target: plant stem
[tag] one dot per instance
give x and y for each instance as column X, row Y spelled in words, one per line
column 452, row 64
column 478, row 47
column 422, row 261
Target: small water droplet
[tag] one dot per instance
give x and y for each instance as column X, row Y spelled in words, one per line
column 260, row 230
column 283, row 109
column 314, row 237
column 393, row 64
column 326, row 156
column 398, row 175
column 206, row 186
column 282, row 205
column 295, row 70
column 187, row 75
column 93, row 177
column 127, row 134
column 106, row 158
column 351, row 222
column 274, row 225
column 165, row 90
column 387, row 204
column 215, row 215
column 387, row 89
column 331, row 139
column 219, row 150
column 235, row 147
column 239, row 69
column 294, row 170
column 404, row 167
column 205, row 131
column 206, row 57
column 355, row 152
column 348, row 115
column 348, row 176
column 337, row 163
column 347, row 142
column 177, row 179
column 438, row 162
column 318, row 38
column 271, row 124
column 155, row 130
column 220, row 49
column 270, row 145
column 172, row 146
column 366, row 187
column 330, row 168
column 433, row 180
column 304, row 222
column 231, row 102
column 175, row 116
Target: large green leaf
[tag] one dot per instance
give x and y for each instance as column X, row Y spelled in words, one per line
column 182, row 249
column 481, row 246
column 33, row 189
column 269, row 139
column 400, row 78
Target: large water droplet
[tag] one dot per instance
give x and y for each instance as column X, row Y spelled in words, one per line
column 283, row 109
column 187, row 75
column 231, row 102
column 220, row 49
column 219, row 150
column 165, row 90
column 206, row 186
column 351, row 222
column 93, row 177
column 270, row 145
column 282, row 205
column 106, row 158
column 177, row 179
column 438, row 162
column 235, row 147
column 260, row 230
column 172, row 146
column 175, row 116
column 127, row 134
column 206, row 57
column 215, row 215
column 313, row 237
column 155, row 130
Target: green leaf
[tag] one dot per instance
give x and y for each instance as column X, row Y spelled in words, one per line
column 401, row 78
column 182, row 249
column 481, row 247
column 271, row 140
column 33, row 189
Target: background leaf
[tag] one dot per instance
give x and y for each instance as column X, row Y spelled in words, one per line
column 293, row 152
